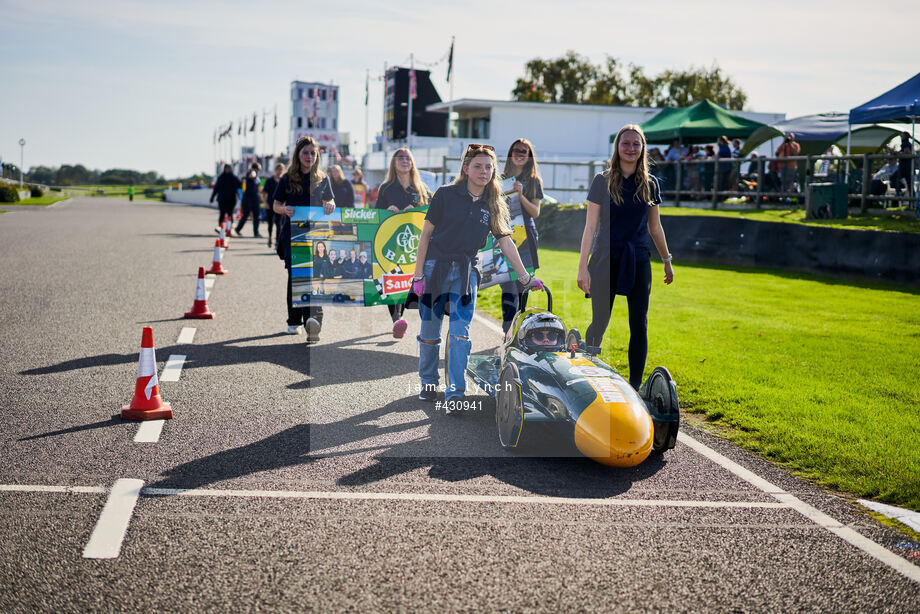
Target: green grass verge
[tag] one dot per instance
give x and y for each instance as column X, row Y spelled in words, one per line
column 816, row 374
column 897, row 220
column 48, row 199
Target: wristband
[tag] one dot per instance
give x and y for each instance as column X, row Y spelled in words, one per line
column 668, row 259
column 414, row 278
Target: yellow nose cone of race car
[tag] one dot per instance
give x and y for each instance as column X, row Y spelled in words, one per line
column 615, row 434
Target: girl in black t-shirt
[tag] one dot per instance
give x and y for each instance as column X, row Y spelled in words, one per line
column 624, row 201
column 403, row 188
column 304, row 184
column 459, row 219
column 524, row 198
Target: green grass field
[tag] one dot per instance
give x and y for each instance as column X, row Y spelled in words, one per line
column 815, row 374
column 48, row 199
column 895, row 220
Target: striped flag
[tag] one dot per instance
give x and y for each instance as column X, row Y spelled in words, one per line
column 413, row 93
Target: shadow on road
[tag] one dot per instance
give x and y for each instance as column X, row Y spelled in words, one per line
column 114, row 420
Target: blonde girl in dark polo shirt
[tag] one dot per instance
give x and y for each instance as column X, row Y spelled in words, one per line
column 622, row 214
column 459, row 219
column 526, row 196
column 403, row 188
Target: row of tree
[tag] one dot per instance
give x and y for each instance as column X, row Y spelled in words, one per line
column 572, row 78
column 78, row 174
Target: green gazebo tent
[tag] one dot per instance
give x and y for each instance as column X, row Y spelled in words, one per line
column 704, row 122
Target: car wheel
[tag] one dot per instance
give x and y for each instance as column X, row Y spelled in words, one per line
column 509, row 407
column 660, row 395
column 574, row 338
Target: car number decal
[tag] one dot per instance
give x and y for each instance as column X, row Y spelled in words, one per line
column 590, row 372
column 607, row 389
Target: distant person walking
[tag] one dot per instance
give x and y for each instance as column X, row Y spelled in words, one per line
column 341, row 187
column 271, row 184
column 524, row 200
column 787, row 170
column 252, row 198
column 303, row 185
column 225, row 189
column 905, row 167
column 622, row 214
column 403, row 188
column 360, row 187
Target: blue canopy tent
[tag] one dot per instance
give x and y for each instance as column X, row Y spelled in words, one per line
column 815, row 133
column 900, row 104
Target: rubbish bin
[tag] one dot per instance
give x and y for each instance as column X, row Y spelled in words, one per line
column 827, row 200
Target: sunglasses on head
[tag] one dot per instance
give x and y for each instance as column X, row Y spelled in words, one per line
column 472, row 146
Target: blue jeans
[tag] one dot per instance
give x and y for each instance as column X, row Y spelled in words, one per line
column 458, row 332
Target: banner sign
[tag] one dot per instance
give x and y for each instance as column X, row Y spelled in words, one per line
column 367, row 256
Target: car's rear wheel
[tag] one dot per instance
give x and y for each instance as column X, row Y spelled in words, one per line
column 574, row 338
column 660, row 395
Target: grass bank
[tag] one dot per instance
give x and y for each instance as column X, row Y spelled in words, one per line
column 816, row 374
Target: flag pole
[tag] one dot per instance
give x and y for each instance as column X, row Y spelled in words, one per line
column 450, row 102
column 367, row 90
column 409, row 119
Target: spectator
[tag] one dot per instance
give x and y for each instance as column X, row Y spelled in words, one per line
column 360, row 188
column 669, row 173
column 787, row 169
column 225, row 189
column 878, row 185
column 251, row 200
column 271, row 184
column 905, row 167
column 724, row 154
column 341, row 187
column 707, row 171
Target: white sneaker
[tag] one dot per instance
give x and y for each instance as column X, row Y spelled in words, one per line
column 292, row 330
column 313, row 327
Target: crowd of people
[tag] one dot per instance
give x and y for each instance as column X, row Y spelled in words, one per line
column 622, row 217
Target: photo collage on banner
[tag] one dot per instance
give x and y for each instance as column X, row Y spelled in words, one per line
column 366, row 257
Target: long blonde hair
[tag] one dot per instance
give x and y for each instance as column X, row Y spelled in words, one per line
column 414, row 179
column 295, row 172
column 531, row 171
column 498, row 208
column 615, row 173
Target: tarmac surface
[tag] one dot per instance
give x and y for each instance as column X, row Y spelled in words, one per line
column 296, row 479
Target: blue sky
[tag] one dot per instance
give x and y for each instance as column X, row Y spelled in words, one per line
column 137, row 84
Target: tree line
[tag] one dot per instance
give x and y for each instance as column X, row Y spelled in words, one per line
column 66, row 175
column 573, row 78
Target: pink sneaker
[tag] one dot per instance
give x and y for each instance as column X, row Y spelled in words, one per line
column 399, row 328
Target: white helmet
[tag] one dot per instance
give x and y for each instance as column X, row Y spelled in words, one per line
column 541, row 332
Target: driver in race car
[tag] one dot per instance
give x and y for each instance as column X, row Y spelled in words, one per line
column 541, row 332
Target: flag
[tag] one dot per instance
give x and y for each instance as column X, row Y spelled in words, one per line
column 263, row 121
column 275, row 125
column 412, row 85
column 239, row 128
column 450, row 60
column 252, row 128
column 367, row 88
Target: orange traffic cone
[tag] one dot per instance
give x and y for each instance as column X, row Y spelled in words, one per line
column 200, row 309
column 222, row 237
column 216, row 267
column 147, row 403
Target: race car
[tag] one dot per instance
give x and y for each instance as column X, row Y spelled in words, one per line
column 541, row 374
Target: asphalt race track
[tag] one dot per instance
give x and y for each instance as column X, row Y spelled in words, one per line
column 313, row 480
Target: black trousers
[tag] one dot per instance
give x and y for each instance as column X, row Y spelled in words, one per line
column 253, row 210
column 396, row 311
column 224, row 209
column 603, row 292
column 513, row 300
column 270, row 220
column 299, row 315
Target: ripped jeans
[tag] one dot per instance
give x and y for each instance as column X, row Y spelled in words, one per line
column 458, row 332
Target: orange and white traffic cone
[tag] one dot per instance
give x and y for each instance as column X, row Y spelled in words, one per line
column 222, row 237
column 200, row 309
column 147, row 403
column 216, row 267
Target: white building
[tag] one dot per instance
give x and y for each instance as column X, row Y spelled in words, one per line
column 314, row 112
column 560, row 133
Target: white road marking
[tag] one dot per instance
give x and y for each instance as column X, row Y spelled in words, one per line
column 845, row 533
column 489, row 324
column 187, row 334
column 904, row 516
column 173, row 368
column 95, row 490
column 105, row 541
column 436, row 497
column 149, row 431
